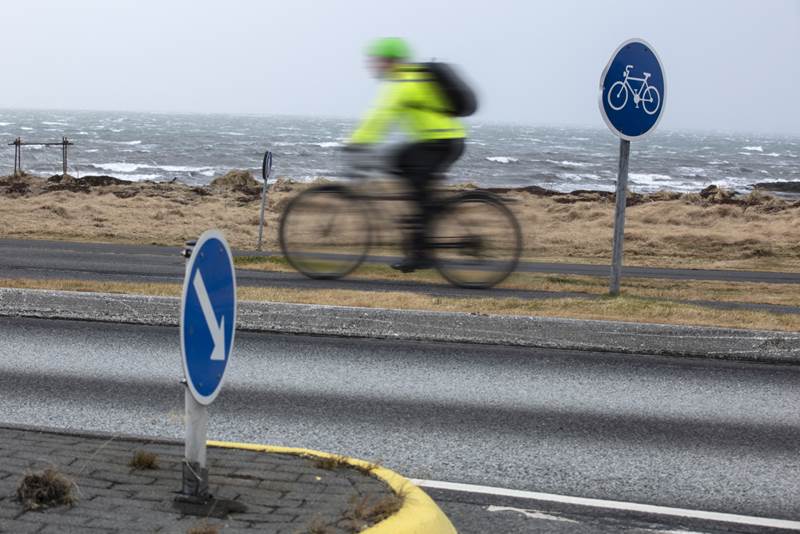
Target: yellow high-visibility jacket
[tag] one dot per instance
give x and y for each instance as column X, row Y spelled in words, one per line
column 411, row 98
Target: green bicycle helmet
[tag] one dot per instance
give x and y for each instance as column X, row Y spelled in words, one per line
column 389, row 48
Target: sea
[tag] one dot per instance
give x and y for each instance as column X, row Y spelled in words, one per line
column 196, row 148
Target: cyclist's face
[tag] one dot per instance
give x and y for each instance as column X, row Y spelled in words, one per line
column 378, row 66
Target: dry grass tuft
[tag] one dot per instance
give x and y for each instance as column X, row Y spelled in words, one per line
column 318, row 526
column 366, row 510
column 46, row 489
column 143, row 460
column 330, row 463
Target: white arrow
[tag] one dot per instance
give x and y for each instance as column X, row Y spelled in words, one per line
column 217, row 329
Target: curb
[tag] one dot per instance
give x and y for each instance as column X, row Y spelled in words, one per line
column 425, row 326
column 418, row 515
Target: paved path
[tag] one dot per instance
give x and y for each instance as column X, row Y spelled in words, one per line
column 698, row 434
column 281, row 494
column 142, row 263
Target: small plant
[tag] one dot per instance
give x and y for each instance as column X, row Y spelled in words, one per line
column 143, row 460
column 317, row 526
column 329, row 463
column 46, row 489
column 366, row 510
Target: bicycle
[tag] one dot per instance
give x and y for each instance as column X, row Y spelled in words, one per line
column 327, row 231
column 647, row 94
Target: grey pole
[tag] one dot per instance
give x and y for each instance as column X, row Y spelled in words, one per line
column 266, row 170
column 195, row 468
column 619, row 216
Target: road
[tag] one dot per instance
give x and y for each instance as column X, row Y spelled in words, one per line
column 147, row 263
column 705, row 435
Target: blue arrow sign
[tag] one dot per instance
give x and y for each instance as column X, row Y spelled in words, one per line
column 208, row 316
column 633, row 90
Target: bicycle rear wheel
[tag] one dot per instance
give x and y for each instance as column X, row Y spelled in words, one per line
column 324, row 233
column 476, row 240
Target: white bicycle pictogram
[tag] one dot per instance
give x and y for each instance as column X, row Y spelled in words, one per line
column 647, row 94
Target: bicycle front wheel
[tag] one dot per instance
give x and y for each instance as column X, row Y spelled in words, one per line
column 324, row 233
column 476, row 241
column 617, row 96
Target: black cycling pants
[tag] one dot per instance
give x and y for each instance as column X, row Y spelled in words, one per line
column 422, row 165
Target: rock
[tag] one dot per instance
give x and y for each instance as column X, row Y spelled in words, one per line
column 237, row 181
column 781, row 187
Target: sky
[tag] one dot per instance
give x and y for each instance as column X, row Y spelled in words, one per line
column 731, row 65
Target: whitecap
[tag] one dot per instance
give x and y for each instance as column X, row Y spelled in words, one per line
column 773, row 154
column 691, row 171
column 55, row 123
column 328, row 144
column 567, row 163
column 232, row 133
column 6, row 123
column 502, row 159
column 119, row 167
column 26, row 128
column 753, row 148
column 649, row 178
column 92, row 150
column 127, row 142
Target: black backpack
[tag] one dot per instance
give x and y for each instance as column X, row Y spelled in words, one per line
column 462, row 99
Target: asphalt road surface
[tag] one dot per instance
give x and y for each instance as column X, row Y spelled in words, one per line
column 143, row 263
column 698, row 434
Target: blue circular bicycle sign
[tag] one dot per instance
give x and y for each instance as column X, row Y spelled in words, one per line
column 633, row 90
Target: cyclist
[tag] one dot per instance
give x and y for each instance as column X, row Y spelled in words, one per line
column 412, row 99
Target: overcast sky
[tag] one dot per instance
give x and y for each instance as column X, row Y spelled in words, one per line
column 730, row 64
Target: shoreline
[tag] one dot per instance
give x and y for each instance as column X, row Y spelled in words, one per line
column 712, row 228
column 785, row 190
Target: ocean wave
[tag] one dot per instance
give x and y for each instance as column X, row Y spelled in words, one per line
column 328, row 144
column 566, row 164
column 723, row 162
column 691, row 171
column 118, row 167
column 649, row 178
column 773, row 155
column 54, row 123
column 131, row 143
column 502, row 159
column 579, row 176
column 753, row 148
column 27, row 129
column 236, row 134
column 92, row 150
column 6, row 123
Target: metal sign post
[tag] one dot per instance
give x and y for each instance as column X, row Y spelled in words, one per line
column 632, row 96
column 266, row 170
column 207, row 327
column 619, row 215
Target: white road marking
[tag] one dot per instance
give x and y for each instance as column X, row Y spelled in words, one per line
column 217, row 329
column 533, row 514
column 784, row 524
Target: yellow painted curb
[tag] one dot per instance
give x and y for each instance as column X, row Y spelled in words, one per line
column 418, row 515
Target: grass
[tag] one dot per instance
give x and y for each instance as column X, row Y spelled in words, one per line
column 366, row 510
column 144, row 461
column 759, row 232
column 659, row 307
column 46, row 489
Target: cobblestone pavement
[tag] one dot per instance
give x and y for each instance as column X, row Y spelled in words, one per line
column 282, row 493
